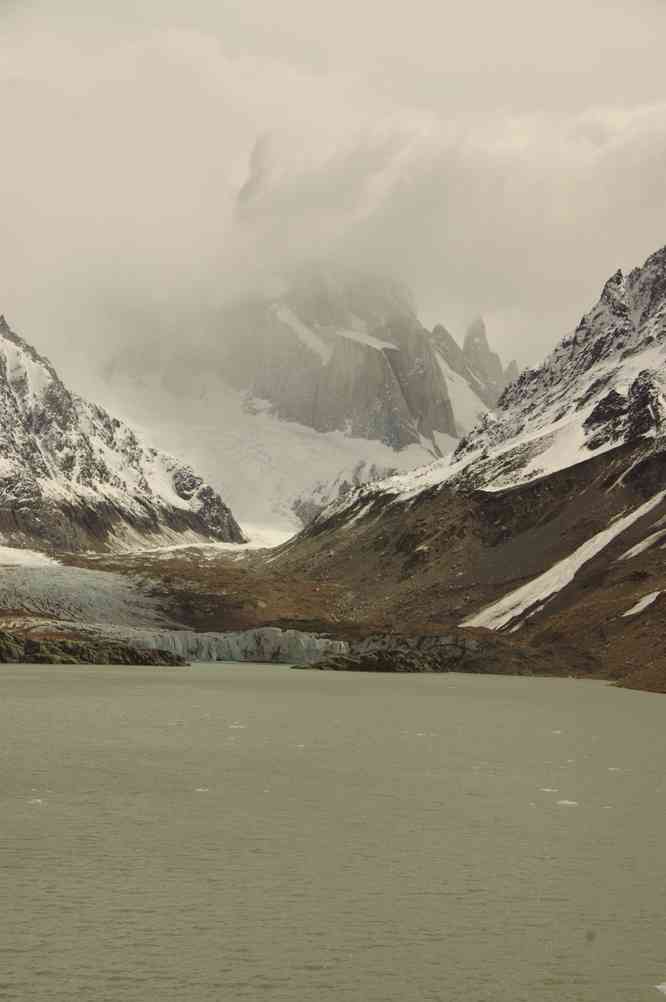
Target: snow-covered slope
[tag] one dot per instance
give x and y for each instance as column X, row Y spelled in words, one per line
column 602, row 386
column 74, row 477
column 277, row 473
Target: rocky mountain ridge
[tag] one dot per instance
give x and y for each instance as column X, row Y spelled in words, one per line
column 603, row 386
column 74, row 477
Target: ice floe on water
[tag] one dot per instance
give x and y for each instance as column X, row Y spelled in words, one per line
column 548, row 789
column 661, row 988
column 567, row 803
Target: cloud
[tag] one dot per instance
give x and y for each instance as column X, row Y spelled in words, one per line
column 158, row 160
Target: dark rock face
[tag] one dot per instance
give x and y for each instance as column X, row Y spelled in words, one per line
column 646, row 410
column 72, row 476
column 459, row 650
column 617, row 418
column 346, row 355
column 21, row 650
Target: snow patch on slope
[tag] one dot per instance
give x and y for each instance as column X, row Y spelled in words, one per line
column 642, row 603
column 644, row 545
column 561, row 574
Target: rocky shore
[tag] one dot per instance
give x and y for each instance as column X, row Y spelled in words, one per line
column 459, row 650
column 25, row 650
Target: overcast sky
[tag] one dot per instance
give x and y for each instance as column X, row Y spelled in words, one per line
column 498, row 157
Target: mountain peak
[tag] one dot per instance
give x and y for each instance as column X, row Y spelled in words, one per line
column 613, row 290
column 476, row 335
column 599, row 388
column 484, row 362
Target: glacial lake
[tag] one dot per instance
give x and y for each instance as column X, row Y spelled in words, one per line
column 251, row 832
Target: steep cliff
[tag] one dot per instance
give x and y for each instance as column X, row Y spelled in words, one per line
column 346, row 355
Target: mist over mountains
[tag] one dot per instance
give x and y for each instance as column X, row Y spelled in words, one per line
column 160, row 162
column 290, row 397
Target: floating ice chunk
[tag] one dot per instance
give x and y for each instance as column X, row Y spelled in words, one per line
column 201, row 789
column 548, row 789
column 661, row 988
column 36, row 801
column 567, row 803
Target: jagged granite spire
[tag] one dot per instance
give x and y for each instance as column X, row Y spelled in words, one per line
column 484, row 362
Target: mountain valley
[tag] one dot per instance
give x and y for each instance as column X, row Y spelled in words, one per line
column 542, row 531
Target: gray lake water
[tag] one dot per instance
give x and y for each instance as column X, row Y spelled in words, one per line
column 250, row 832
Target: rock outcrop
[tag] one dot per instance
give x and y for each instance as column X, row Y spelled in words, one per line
column 455, row 651
column 15, row 649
